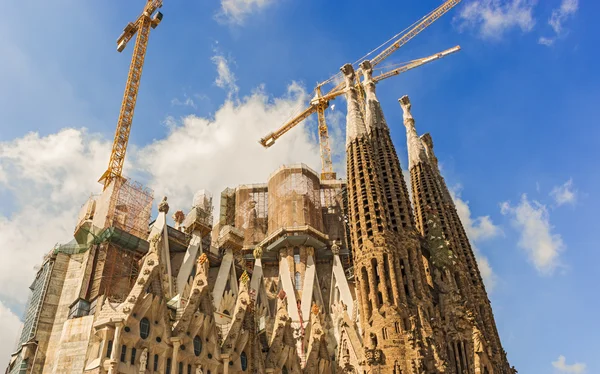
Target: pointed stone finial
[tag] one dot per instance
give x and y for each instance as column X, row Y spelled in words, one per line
column 348, row 72
column 258, row 252
column 335, row 248
column 406, row 109
column 355, row 124
column 202, row 259
column 244, row 278
column 315, row 309
column 416, row 149
column 163, row 207
column 368, row 82
column 178, row 217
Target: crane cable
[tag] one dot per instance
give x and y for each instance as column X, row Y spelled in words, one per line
column 332, row 78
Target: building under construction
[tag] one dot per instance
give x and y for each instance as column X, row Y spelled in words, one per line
column 303, row 273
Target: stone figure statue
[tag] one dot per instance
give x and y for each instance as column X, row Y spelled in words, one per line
column 143, row 360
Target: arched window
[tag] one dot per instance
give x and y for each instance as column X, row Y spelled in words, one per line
column 109, row 349
column 197, row 345
column 244, row 361
column 168, row 368
column 298, row 281
column 144, row 328
column 189, row 369
column 180, row 370
column 123, row 352
column 155, row 363
column 133, row 353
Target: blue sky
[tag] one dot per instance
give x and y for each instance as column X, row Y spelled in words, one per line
column 513, row 117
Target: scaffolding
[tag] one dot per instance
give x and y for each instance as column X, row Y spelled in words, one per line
column 295, row 198
column 227, row 208
column 34, row 304
column 130, row 207
column 251, row 212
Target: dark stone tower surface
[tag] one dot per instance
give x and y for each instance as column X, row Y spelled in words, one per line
column 466, row 313
column 387, row 259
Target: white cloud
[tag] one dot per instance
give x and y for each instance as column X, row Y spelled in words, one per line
column 478, row 229
column 236, row 11
column 51, row 177
column 225, row 77
column 564, row 194
column 562, row 366
column 492, row 18
column 533, row 221
column 10, row 325
column 219, row 152
column 559, row 15
column 546, row 41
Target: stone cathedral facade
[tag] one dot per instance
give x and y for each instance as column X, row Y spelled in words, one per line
column 297, row 275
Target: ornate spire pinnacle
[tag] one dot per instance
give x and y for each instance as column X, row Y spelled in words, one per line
column 355, row 125
column 416, row 151
column 373, row 115
column 368, row 83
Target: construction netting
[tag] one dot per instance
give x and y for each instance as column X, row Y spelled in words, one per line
column 34, row 304
column 251, row 212
column 332, row 206
column 294, row 198
column 130, row 208
column 227, row 208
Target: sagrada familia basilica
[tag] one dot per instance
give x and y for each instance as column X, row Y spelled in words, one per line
column 295, row 275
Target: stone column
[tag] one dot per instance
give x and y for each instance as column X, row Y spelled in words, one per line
column 373, row 287
column 176, row 344
column 116, row 349
column 225, row 358
column 394, row 282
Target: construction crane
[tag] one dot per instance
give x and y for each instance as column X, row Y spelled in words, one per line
column 150, row 18
column 320, row 102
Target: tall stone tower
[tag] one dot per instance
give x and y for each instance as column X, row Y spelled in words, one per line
column 386, row 247
column 458, row 282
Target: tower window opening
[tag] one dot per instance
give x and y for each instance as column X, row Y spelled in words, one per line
column 123, row 352
column 298, row 281
column 109, row 347
column 133, row 353
column 168, row 366
column 155, row 368
column 144, row 328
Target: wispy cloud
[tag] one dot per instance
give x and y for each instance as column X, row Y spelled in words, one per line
column 492, row 18
column 561, row 366
column 564, row 194
column 237, row 11
column 567, row 9
column 478, row 229
column 225, row 77
column 546, row 41
column 559, row 16
column 187, row 101
column 532, row 220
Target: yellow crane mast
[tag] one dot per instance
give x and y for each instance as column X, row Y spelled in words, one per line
column 321, row 102
column 148, row 19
